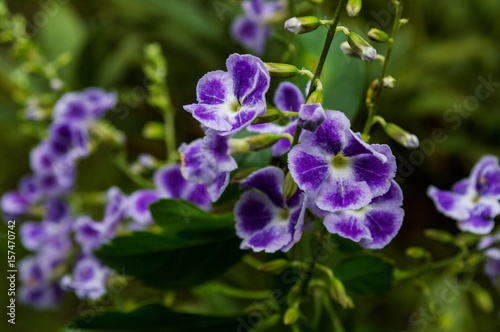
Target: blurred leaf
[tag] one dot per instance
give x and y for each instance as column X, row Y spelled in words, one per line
column 153, row 317
column 366, row 274
column 194, row 247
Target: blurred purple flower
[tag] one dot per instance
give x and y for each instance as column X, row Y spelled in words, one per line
column 254, row 27
column 89, row 278
column 473, row 201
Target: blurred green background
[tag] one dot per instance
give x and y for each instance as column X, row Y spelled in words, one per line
column 439, row 60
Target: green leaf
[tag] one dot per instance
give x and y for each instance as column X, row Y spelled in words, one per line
column 343, row 77
column 153, row 317
column 194, row 247
column 184, row 219
column 367, row 274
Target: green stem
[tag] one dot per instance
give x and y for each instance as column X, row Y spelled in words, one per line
column 242, row 293
column 372, row 110
column 170, row 141
column 336, row 323
column 405, row 275
column 122, row 164
column 326, row 48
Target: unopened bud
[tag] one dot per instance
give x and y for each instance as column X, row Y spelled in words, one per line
column 372, row 92
column 275, row 267
column 401, row 136
column 242, row 175
column 482, row 298
column 361, row 47
column 271, row 115
column 438, row 235
column 353, row 7
column 315, row 98
column 289, row 187
column 417, row 253
column 153, row 130
column 378, row 35
column 389, row 82
column 255, row 142
column 347, row 49
column 298, row 25
column 281, row 70
column 338, row 293
column 291, row 316
column 403, row 21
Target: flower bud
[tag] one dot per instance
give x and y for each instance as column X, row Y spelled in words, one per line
column 372, row 92
column 347, row 49
column 438, row 235
column 338, row 293
column 281, row 70
column 481, row 298
column 389, row 82
column 289, row 187
column 275, row 267
column 291, row 316
column 298, row 25
column 271, row 115
column 353, row 8
column 315, row 98
column 378, row 35
column 153, row 130
column 242, row 175
column 417, row 253
column 401, row 136
column 364, row 50
column 255, row 142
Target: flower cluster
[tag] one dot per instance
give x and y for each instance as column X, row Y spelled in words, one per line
column 473, row 201
column 342, row 179
column 53, row 160
column 254, row 28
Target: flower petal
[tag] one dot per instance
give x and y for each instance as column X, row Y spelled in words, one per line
column 288, row 97
column 215, row 148
column 308, row 171
column 253, row 212
column 268, row 180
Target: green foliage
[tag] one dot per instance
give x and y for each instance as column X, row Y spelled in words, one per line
column 193, row 247
column 367, row 274
column 150, row 318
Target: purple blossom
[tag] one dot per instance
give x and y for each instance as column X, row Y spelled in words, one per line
column 138, row 208
column 287, row 98
column 263, row 219
column 254, row 28
column 170, row 183
column 90, row 234
column 68, row 138
column 374, row 225
column 89, row 278
column 230, row 101
column 83, row 107
column 216, row 149
column 195, row 167
column 337, row 169
column 311, row 116
column 14, row 204
column 116, row 207
column 99, row 100
column 473, row 202
column 38, row 289
column 492, row 265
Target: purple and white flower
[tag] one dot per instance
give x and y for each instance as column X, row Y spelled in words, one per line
column 287, row 98
column 337, row 169
column 138, row 206
column 170, row 183
column 83, row 107
column 263, row 219
column 374, row 225
column 473, row 201
column 89, row 278
column 254, row 28
column 196, row 168
column 311, row 116
column 230, row 101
